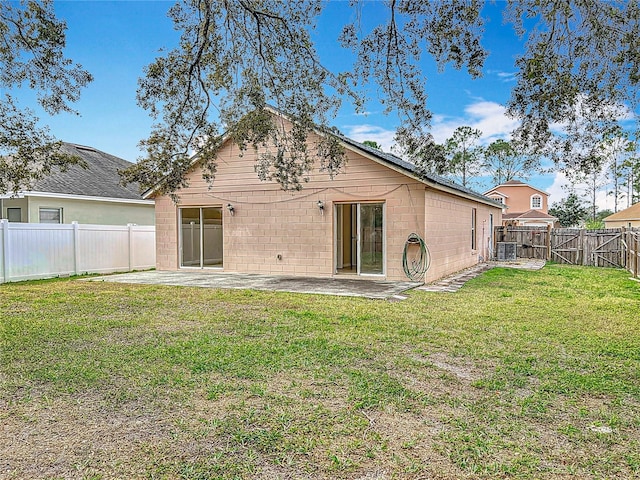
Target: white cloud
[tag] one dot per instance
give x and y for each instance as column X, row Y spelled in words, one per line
column 559, row 190
column 382, row 136
column 488, row 117
column 507, row 76
column 503, row 76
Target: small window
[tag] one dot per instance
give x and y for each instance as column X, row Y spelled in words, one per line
column 473, row 228
column 14, row 214
column 536, row 202
column 50, row 215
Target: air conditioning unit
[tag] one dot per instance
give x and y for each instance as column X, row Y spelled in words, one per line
column 506, row 251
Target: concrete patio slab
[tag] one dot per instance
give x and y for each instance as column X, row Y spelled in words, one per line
column 343, row 286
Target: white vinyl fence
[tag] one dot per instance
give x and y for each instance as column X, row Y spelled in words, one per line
column 35, row 250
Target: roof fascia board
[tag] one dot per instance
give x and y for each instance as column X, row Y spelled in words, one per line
column 86, row 197
column 495, row 192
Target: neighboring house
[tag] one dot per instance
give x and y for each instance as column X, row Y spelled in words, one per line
column 357, row 224
column 629, row 217
column 91, row 195
column 524, row 205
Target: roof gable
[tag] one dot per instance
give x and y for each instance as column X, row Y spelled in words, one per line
column 515, row 183
column 496, row 192
column 388, row 160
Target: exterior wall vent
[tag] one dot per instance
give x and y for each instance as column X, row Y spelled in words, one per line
column 506, row 251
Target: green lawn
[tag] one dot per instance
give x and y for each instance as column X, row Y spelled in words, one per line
column 517, row 375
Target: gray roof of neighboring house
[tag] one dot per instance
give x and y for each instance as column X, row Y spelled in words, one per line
column 99, row 179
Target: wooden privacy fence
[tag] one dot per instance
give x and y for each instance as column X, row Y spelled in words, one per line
column 632, row 240
column 609, row 247
column 34, row 250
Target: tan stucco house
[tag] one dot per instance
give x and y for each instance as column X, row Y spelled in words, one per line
column 91, row 195
column 629, row 218
column 356, row 224
column 524, row 205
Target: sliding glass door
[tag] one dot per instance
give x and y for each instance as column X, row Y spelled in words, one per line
column 359, row 240
column 201, row 237
column 371, row 239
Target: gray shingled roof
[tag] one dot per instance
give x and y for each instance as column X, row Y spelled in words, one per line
column 99, row 179
column 413, row 169
column 408, row 167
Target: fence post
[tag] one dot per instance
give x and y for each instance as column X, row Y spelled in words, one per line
column 76, row 248
column 636, row 259
column 548, row 242
column 627, row 242
column 4, row 223
column 130, row 232
column 631, row 253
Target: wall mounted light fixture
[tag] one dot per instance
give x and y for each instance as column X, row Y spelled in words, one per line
column 320, row 205
column 231, row 209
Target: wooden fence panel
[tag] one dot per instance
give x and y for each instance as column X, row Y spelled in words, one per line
column 613, row 247
column 566, row 245
column 604, row 248
column 532, row 242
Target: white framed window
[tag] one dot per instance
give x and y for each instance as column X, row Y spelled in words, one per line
column 536, row 202
column 14, row 214
column 50, row 215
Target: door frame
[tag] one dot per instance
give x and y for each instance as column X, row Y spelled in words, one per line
column 355, row 223
column 202, row 266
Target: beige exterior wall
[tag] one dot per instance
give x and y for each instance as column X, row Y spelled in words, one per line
column 21, row 203
column 519, row 198
column 268, row 222
column 277, row 232
column 84, row 211
column 448, row 235
column 622, row 223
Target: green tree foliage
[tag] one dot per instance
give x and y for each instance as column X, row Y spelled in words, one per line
column 569, row 211
column 580, row 64
column 505, row 161
column 464, row 154
column 432, row 159
column 592, row 180
column 578, row 74
column 631, row 166
column 372, row 144
column 597, row 222
column 616, row 150
column 31, row 55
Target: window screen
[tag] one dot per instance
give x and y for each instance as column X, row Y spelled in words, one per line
column 50, row 215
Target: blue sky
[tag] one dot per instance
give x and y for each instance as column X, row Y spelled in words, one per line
column 115, row 40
